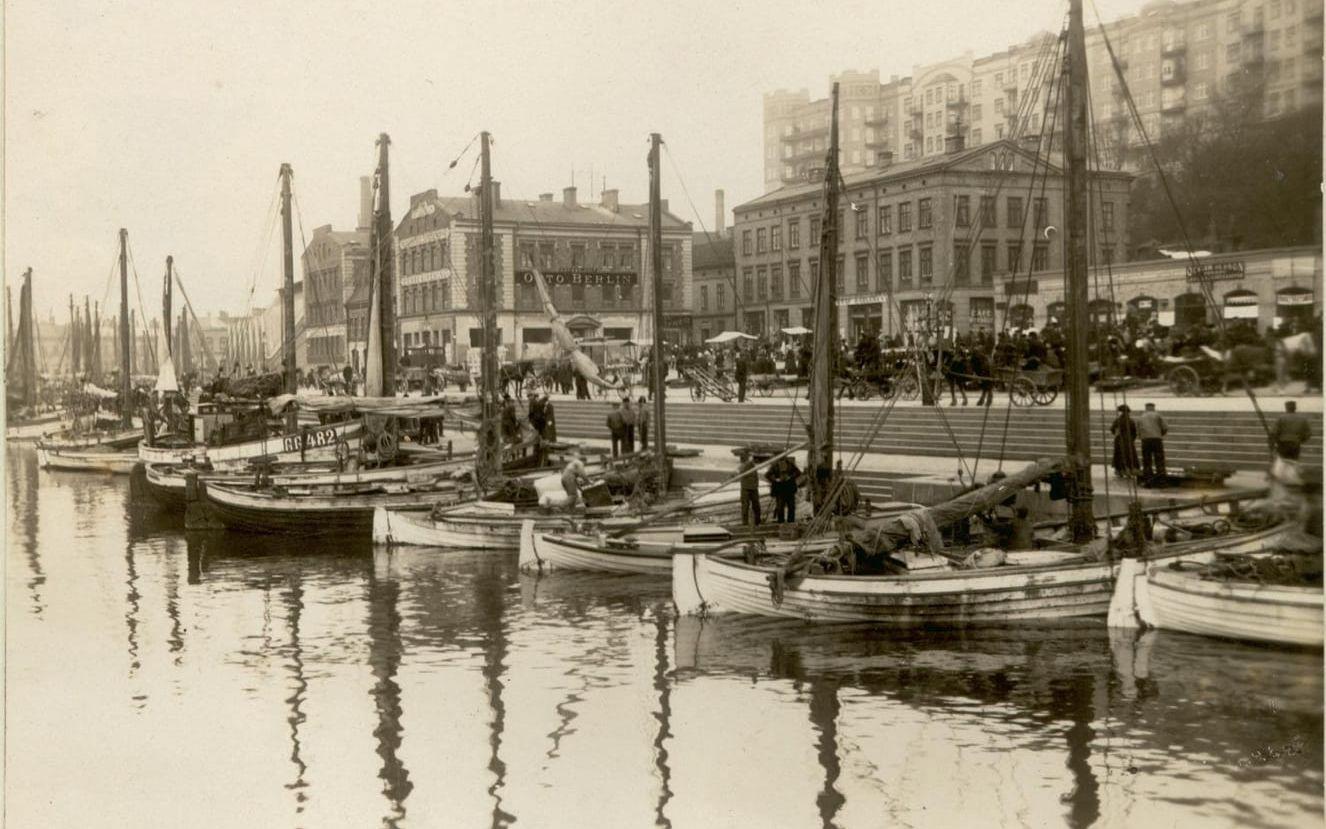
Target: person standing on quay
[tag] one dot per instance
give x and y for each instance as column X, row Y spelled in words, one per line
column 1292, row 429
column 616, row 429
column 750, row 490
column 549, row 418
column 1151, row 428
column 642, row 423
column 628, row 418
column 1125, row 443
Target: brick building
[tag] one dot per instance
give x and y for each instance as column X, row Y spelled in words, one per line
column 951, row 238
column 714, row 274
column 596, row 257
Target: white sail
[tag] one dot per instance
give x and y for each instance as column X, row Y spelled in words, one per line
column 373, row 381
column 562, row 338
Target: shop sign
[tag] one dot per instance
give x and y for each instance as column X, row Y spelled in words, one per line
column 581, row 277
column 1294, row 299
column 1216, row 271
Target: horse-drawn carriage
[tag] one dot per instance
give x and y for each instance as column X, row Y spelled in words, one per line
column 1207, row 371
column 1037, row 386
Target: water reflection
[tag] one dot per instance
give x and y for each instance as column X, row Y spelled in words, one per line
column 327, row 683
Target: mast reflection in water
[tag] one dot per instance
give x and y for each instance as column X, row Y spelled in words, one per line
column 300, row 683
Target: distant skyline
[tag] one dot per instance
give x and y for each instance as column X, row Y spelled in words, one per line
column 171, row 120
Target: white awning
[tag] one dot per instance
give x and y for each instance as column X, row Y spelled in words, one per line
column 729, row 336
column 797, row 331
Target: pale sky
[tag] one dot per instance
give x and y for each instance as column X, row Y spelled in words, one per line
column 172, row 118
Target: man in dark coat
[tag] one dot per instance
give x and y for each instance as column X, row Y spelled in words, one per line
column 743, row 372
column 750, row 490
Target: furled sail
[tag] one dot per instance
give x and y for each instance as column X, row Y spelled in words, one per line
column 564, row 341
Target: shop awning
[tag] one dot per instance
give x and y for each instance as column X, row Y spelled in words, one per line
column 729, row 336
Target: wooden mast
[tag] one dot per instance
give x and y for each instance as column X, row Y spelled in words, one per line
column 488, row 457
column 819, row 456
column 126, row 382
column 28, row 331
column 1077, row 411
column 656, row 265
column 166, row 292
column 288, row 290
column 75, row 339
column 382, row 265
column 9, row 321
column 90, row 353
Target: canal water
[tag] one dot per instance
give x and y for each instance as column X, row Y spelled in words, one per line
column 158, row 678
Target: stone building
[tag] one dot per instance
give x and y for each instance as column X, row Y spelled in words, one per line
column 714, row 274
column 595, row 257
column 955, row 239
column 334, row 263
column 1175, row 56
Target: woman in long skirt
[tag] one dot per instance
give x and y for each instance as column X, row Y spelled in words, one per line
column 1125, row 443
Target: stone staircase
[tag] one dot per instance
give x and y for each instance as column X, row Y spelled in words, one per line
column 1233, row 438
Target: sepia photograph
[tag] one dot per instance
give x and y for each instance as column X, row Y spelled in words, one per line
column 704, row 414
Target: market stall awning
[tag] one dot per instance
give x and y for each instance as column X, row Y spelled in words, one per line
column 797, row 331
column 729, row 336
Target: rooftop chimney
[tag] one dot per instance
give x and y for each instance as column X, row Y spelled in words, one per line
column 365, row 202
column 569, row 196
column 545, row 196
column 720, row 212
column 609, row 200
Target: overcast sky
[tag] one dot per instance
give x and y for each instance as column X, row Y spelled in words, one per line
column 171, row 119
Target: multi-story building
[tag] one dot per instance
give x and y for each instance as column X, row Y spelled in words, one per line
column 1175, row 57
column 334, row 264
column 595, row 257
column 714, row 274
column 956, row 239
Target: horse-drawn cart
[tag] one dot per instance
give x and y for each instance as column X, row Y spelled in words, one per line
column 705, row 383
column 1207, row 371
column 1037, row 386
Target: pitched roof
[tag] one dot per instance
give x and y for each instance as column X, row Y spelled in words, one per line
column 717, row 252
column 539, row 212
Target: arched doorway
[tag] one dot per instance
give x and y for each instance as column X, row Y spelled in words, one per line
column 1142, row 309
column 1021, row 315
column 1189, row 311
column 1240, row 304
column 1055, row 312
column 1293, row 307
column 583, row 326
column 1100, row 312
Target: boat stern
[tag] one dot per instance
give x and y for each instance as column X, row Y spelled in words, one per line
column 382, row 526
column 689, row 570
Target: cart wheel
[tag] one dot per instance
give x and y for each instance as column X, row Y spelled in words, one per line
column 764, row 390
column 697, row 393
column 1022, row 392
column 1045, row 395
column 908, row 388
column 865, row 390
column 888, row 389
column 1183, row 381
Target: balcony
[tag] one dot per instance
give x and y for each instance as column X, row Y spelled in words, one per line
column 1172, row 75
column 1253, row 58
column 956, row 103
column 878, row 121
column 1011, row 85
column 805, row 155
column 1173, row 45
column 1173, row 106
column 1255, row 29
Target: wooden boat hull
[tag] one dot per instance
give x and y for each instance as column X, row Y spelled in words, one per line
column 650, row 552
column 35, row 429
column 77, row 460
column 1183, row 601
column 264, row 512
column 471, row 527
column 942, row 598
column 318, row 444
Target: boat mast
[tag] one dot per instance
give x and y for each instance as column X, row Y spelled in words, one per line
column 166, row 290
column 75, row 339
column 28, row 330
column 126, row 383
column 656, row 264
column 382, row 266
column 9, row 321
column 487, row 458
column 288, row 288
column 819, row 456
column 90, row 354
column 1077, row 411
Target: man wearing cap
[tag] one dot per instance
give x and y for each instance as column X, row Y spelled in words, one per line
column 1151, row 428
column 1292, row 429
column 750, row 490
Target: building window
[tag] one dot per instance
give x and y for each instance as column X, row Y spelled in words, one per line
column 1014, row 211
column 862, row 273
column 577, row 256
column 1042, row 212
column 839, row 274
column 1107, row 254
column 815, row 228
column 814, row 275
column 546, row 256
column 862, row 222
column 988, row 217
column 776, row 237
column 1107, row 215
column 904, row 268
column 962, row 211
column 1014, row 257
column 720, row 291
column 578, row 293
column 885, row 220
column 924, row 216
column 745, row 242
column 884, row 283
column 1040, row 257
column 794, row 234
column 987, row 263
column 762, row 284
column 776, row 281
column 794, row 280
column 961, row 263
column 925, row 265
column 761, row 241
column 904, row 217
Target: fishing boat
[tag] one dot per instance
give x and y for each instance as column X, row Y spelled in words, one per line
column 26, row 418
column 86, row 460
column 896, row 570
column 1186, row 597
column 343, row 511
column 496, row 523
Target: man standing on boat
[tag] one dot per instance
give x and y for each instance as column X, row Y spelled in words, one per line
column 616, row 429
column 1292, row 429
column 628, row 419
column 1151, row 428
column 642, row 423
column 573, row 475
column 750, row 490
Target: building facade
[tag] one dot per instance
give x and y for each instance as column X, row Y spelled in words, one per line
column 1176, row 58
column 954, row 240
column 334, row 262
column 594, row 256
column 714, row 274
